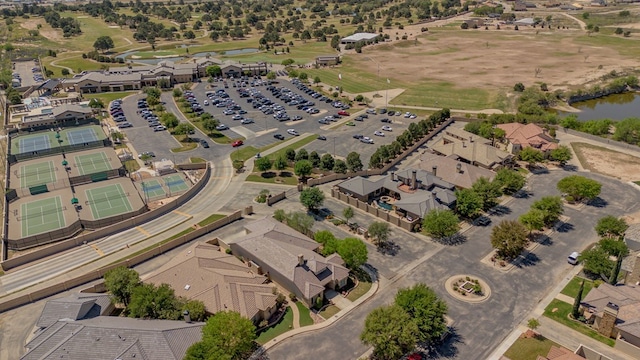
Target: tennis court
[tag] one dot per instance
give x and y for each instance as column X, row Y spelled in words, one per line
column 34, row 143
column 42, row 216
column 92, row 163
column 107, row 201
column 153, row 189
column 36, row 174
column 175, row 183
column 81, row 136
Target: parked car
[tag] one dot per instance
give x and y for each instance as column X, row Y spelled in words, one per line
column 378, row 133
column 292, row 132
column 387, row 128
column 343, row 113
column 350, row 123
column 237, row 143
column 573, row 258
column 247, row 121
column 279, row 136
column 366, row 140
column 357, row 136
column 148, row 153
column 222, row 127
column 322, row 137
column 159, row 128
column 385, row 120
column 204, row 144
column 125, row 125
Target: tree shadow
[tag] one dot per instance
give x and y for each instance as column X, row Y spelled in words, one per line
column 500, row 210
column 564, row 227
column 457, row 239
column 522, row 194
column 598, row 202
column 388, row 248
column 568, row 167
column 539, row 170
column 527, row 259
column 543, row 239
column 268, row 175
column 448, row 349
column 286, row 174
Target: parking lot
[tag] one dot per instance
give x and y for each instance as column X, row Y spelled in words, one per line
column 28, row 72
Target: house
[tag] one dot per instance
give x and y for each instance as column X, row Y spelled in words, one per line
column 411, row 193
column 290, row 259
column 561, row 353
column 631, row 264
column 521, row 136
column 328, row 60
column 108, row 337
column 472, row 149
column 614, row 311
column 453, row 171
column 221, row 281
column 571, row 7
column 77, row 306
column 55, row 116
column 352, row 39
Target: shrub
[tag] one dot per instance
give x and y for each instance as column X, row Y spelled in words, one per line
column 228, row 251
column 293, row 297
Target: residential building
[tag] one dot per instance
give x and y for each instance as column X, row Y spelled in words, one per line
column 327, row 60
column 77, row 306
column 458, row 173
column 614, row 311
column 57, row 116
column 472, row 149
column 583, row 352
column 221, row 281
column 352, row 39
column 631, row 263
column 521, row 136
column 290, row 259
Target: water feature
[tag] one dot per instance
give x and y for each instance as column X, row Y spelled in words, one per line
column 615, row 107
column 385, row 205
column 176, row 58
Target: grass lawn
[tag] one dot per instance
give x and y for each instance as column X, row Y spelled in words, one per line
column 444, row 94
column 197, row 160
column 305, row 318
column 561, row 315
column 529, row 348
column 210, row 219
column 272, row 178
column 574, row 285
column 637, row 182
column 215, row 135
column 131, row 165
column 109, row 97
column 244, row 153
column 286, row 324
column 298, row 144
column 329, row 311
column 360, row 290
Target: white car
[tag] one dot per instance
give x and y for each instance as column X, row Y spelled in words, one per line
column 387, row 128
column 247, row 121
column 366, row 140
column 206, row 102
column 237, row 117
column 222, row 127
column 378, row 133
column 292, row 132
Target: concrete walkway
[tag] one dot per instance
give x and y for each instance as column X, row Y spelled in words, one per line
column 296, row 315
column 565, row 298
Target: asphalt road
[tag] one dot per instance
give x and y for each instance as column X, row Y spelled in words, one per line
column 478, row 327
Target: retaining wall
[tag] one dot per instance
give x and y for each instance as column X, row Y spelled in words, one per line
column 36, row 295
column 110, row 230
column 373, row 210
column 275, row 198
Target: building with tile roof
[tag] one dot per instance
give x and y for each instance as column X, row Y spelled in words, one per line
column 451, row 170
column 472, row 149
column 221, row 281
column 521, row 136
column 290, row 259
column 106, row 337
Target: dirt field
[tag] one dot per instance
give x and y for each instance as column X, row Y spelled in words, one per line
column 608, row 162
column 47, row 32
column 490, row 59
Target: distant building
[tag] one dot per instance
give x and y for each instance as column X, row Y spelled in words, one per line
column 472, row 149
column 59, row 116
column 327, row 60
column 458, row 173
column 521, row 136
column 598, row 3
column 358, row 37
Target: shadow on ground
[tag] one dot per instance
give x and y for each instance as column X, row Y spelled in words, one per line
column 457, row 239
column 598, row 202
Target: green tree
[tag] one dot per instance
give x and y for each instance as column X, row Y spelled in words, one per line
column 121, row 282
column 290, row 154
column 509, row 238
column 353, row 162
column 196, row 309
column 532, row 220
column 226, row 336
column 169, row 120
column 312, row 198
column 533, row 324
column 65, row 72
column 340, row 167
column 426, row 309
column 315, row 159
column 610, row 226
column 154, row 302
column 347, row 213
column 391, row 332
column 103, row 43
column 518, row 87
column 263, row 164
column 551, row 207
column 488, row 191
column 353, row 251
column 575, row 312
column 303, row 168
column 213, row 71
column 323, row 236
column 579, row 187
column 184, row 128
column 509, row 180
column 440, row 224
column 531, row 156
column 238, row 164
column 596, row 261
column 96, row 104
column 326, row 162
column 468, row 203
column 562, row 154
column 302, row 155
column 280, row 163
column 300, row 221
column 271, row 75
column 210, row 125
column 379, row 231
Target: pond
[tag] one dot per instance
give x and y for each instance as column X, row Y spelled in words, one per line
column 155, row 61
column 614, row 107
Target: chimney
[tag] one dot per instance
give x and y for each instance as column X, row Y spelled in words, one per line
column 434, row 170
column 393, row 176
column 470, row 138
column 414, row 182
column 459, row 167
column 300, row 259
column 187, row 317
column 464, row 144
column 608, row 321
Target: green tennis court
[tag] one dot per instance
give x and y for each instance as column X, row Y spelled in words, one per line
column 41, row 216
column 36, row 174
column 175, row 183
column 107, row 201
column 92, row 163
column 153, row 189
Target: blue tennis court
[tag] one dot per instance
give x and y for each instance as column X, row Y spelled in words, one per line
column 153, row 189
column 175, row 183
column 81, row 136
column 34, row 143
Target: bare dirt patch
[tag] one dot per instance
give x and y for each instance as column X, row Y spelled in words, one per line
column 45, row 30
column 490, row 59
column 608, row 162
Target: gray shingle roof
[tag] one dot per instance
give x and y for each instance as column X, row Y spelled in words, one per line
column 106, row 337
column 75, row 307
column 419, row 203
column 425, row 178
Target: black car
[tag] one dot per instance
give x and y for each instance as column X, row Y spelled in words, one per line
column 386, row 120
column 279, row 136
column 204, row 144
column 482, row 221
column 358, row 136
column 322, row 137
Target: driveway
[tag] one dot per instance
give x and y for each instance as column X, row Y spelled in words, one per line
column 480, row 327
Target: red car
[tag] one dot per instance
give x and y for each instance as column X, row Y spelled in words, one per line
column 415, row 356
column 343, row 113
column 237, row 143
